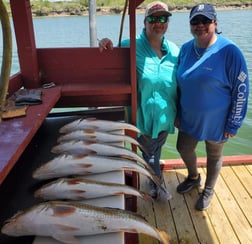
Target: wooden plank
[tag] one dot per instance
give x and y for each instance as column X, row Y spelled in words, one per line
column 182, row 218
column 200, row 219
column 84, row 65
column 249, row 168
column 219, row 220
column 236, row 217
column 201, row 161
column 225, row 221
column 89, row 89
column 145, row 208
column 246, row 179
column 163, row 210
column 233, row 177
column 16, row 134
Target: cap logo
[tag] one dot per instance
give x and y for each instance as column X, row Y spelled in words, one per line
column 157, row 6
column 201, row 7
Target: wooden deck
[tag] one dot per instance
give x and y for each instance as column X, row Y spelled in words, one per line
column 227, row 220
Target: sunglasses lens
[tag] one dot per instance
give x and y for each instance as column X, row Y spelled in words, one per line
column 163, row 19
column 197, row 21
column 154, row 19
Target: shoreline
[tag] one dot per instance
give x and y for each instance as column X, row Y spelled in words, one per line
column 139, row 10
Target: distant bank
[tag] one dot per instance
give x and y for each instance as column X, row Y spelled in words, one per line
column 119, row 10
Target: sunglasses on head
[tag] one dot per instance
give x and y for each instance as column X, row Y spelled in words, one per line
column 204, row 21
column 154, row 19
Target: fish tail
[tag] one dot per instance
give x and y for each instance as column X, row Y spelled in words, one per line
column 156, row 179
column 146, row 196
column 164, row 237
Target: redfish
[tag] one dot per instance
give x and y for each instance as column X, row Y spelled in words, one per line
column 68, row 165
column 93, row 148
column 97, row 136
column 66, row 221
column 72, row 165
column 81, row 189
column 98, row 125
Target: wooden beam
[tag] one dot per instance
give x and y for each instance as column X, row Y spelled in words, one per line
column 22, row 19
column 167, row 164
column 16, row 134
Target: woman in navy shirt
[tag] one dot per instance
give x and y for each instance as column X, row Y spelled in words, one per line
column 213, row 85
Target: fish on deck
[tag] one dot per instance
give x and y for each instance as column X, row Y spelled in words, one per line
column 65, row 221
column 81, row 189
column 97, row 136
column 97, row 125
column 93, row 148
column 71, row 165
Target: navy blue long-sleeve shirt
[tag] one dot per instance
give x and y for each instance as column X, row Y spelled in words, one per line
column 213, row 90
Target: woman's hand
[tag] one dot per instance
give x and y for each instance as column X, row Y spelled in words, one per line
column 105, row 44
column 176, row 123
column 228, row 135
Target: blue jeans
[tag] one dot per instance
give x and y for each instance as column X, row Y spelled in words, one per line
column 152, row 150
column 186, row 146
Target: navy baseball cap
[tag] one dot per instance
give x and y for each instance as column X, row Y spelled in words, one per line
column 204, row 9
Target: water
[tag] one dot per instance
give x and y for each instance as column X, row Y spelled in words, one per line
column 74, row 32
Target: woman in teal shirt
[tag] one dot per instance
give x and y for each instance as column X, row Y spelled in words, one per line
column 156, row 61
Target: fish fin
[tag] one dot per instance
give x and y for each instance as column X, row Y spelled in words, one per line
column 156, row 179
column 66, row 238
column 164, row 237
column 66, row 227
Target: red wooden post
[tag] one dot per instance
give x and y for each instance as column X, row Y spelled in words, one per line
column 22, row 19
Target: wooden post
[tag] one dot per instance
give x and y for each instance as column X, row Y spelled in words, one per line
column 27, row 53
column 6, row 58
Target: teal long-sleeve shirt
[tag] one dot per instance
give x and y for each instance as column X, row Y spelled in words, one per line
column 156, row 86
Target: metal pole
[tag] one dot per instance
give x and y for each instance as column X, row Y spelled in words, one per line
column 92, row 23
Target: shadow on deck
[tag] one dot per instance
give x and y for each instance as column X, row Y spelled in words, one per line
column 227, row 220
